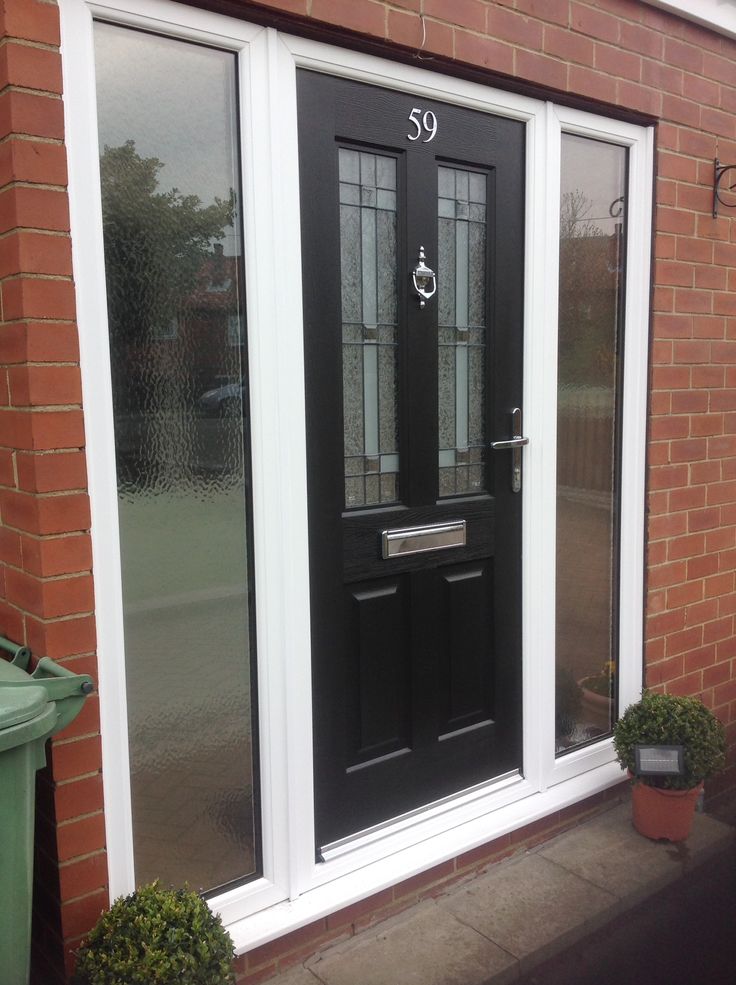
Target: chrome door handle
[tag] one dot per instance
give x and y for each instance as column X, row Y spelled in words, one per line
column 516, row 443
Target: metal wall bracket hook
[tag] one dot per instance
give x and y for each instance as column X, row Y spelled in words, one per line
column 424, row 280
column 719, row 173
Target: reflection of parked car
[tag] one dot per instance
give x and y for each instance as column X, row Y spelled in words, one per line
column 200, row 437
column 223, row 401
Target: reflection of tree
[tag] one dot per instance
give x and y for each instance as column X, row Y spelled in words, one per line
column 165, row 346
column 589, row 293
column 155, row 242
column 574, row 211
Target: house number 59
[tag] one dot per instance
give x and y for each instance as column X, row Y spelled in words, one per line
column 426, row 123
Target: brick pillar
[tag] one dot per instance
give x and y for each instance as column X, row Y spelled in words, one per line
column 46, row 593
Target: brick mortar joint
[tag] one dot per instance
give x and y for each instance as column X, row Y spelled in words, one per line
column 27, row 320
column 32, row 318
column 52, row 493
column 45, row 538
column 47, row 579
column 80, row 817
column 30, row 138
column 8, row 40
column 74, row 740
column 52, row 579
column 38, row 186
column 32, row 276
column 21, row 231
column 41, row 407
column 56, row 620
column 41, row 452
column 92, row 892
column 10, row 88
column 60, row 784
column 44, row 409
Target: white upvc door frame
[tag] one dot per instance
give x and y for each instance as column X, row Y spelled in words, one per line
column 294, row 890
column 640, row 145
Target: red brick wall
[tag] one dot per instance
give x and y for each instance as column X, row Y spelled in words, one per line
column 621, row 52
column 45, row 580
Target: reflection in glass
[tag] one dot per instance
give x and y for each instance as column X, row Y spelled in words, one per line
column 369, row 343
column 591, row 256
column 461, row 278
column 173, row 271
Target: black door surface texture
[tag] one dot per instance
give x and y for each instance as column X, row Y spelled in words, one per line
column 414, row 525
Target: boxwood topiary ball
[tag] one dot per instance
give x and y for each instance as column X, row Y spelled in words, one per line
column 672, row 720
column 157, row 936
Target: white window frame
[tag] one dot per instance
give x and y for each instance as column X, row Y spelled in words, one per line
column 294, row 890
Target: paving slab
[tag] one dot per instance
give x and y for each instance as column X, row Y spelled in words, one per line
column 532, row 908
column 610, row 854
column 427, row 946
column 298, row 976
column 500, row 924
column 708, row 836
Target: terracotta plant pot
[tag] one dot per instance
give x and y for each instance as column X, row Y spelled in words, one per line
column 663, row 813
column 597, row 708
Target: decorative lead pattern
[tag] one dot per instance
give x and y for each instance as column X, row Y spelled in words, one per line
column 462, row 331
column 368, row 260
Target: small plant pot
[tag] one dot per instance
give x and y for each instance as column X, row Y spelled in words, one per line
column 663, row 814
column 597, row 708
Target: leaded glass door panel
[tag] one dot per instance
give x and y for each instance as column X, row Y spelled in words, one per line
column 416, row 652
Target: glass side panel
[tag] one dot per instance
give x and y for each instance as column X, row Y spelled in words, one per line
column 461, row 299
column 173, row 256
column 591, row 276
column 369, row 342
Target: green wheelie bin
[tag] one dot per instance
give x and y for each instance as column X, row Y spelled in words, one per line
column 33, row 707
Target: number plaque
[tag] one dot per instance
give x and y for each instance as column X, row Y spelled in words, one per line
column 423, row 123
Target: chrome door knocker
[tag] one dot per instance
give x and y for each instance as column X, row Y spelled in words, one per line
column 424, row 279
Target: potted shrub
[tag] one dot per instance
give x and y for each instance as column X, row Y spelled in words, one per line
column 663, row 806
column 157, row 936
column 599, row 694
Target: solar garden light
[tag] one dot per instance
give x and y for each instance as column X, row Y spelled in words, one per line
column 659, row 760
column 669, row 744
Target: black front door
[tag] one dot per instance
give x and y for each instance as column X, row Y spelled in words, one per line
column 414, row 522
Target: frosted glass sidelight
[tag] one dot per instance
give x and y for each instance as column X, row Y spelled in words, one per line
column 461, row 276
column 592, row 231
column 368, row 258
column 173, row 262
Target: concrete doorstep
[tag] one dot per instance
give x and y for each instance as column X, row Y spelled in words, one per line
column 520, row 912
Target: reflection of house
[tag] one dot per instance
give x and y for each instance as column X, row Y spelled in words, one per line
column 172, row 377
column 208, row 317
column 214, row 305
column 219, row 558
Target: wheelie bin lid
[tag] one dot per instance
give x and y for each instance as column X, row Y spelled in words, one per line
column 23, row 700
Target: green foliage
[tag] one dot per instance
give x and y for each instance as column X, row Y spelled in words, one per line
column 157, row 936
column 155, row 241
column 666, row 719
